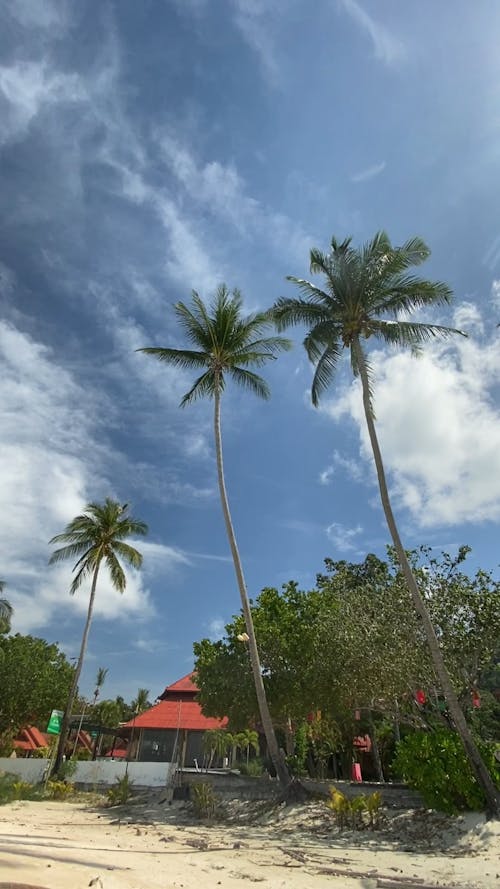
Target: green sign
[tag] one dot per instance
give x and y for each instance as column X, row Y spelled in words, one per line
column 54, row 726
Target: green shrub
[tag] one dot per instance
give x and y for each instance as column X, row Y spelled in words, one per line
column 205, row 801
column 253, row 767
column 121, row 792
column 14, row 788
column 435, row 764
column 59, row 789
column 351, row 812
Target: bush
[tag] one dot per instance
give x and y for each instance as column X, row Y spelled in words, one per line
column 59, row 789
column 356, row 813
column 435, row 764
column 253, row 767
column 121, row 792
column 13, row 788
column 205, row 801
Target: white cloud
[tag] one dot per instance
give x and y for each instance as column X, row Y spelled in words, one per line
column 252, row 18
column 222, row 192
column 388, row 48
column 216, row 629
column 26, row 88
column 368, row 173
column 343, row 538
column 43, row 14
column 495, row 293
column 438, row 428
column 52, row 464
column 467, row 317
column 347, row 465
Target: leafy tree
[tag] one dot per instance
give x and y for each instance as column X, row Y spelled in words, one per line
column 368, row 293
column 95, row 537
column 226, row 344
column 35, row 678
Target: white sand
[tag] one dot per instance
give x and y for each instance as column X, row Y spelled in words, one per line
column 61, row 845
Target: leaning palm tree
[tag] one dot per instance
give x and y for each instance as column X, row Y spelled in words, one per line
column 226, row 344
column 95, row 537
column 369, row 292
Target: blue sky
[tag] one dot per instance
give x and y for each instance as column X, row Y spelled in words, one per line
column 150, row 148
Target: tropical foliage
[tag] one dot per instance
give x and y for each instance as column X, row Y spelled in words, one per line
column 35, row 678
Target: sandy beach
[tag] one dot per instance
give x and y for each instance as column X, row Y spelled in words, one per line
column 154, row 846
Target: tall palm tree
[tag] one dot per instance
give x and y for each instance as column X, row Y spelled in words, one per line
column 368, row 292
column 96, row 536
column 226, row 344
column 6, row 611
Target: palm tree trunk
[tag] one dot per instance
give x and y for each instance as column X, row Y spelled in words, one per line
column 265, row 716
column 76, row 677
column 481, row 772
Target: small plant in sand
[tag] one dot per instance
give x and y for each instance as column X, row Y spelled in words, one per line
column 59, row 789
column 205, row 801
column 121, row 792
column 356, row 813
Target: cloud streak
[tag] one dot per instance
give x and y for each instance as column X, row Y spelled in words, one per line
column 387, row 47
column 369, row 173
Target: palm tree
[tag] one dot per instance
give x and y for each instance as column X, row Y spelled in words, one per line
column 96, row 536
column 100, row 679
column 6, row 611
column 226, row 344
column 141, row 702
column 361, row 286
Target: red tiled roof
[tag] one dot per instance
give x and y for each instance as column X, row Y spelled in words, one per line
column 176, row 715
column 184, row 685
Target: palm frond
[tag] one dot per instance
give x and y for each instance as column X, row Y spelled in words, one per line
column 6, row 610
column 325, row 371
column 202, row 387
column 193, row 325
column 248, row 380
column 411, row 333
column 85, row 570
column 129, row 553
column 72, row 551
column 117, row 574
column 178, row 357
column 288, row 312
column 407, row 294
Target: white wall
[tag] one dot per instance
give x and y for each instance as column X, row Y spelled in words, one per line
column 27, row 769
column 144, row 774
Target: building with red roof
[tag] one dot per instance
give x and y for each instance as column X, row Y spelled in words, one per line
column 173, row 729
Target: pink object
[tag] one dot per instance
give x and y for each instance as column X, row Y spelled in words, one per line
column 356, row 772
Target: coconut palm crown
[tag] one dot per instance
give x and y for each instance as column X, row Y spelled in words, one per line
column 360, row 288
column 225, row 344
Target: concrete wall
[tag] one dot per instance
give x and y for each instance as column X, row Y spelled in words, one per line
column 27, row 769
column 100, row 772
column 234, row 786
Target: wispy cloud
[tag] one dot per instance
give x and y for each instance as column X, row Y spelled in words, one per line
column 347, row 465
column 387, row 47
column 252, row 18
column 343, row 538
column 368, row 173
